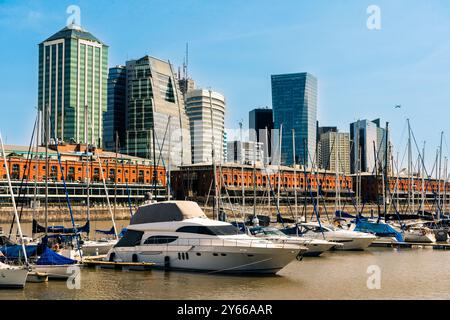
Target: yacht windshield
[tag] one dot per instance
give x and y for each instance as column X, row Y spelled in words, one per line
column 211, row 230
column 273, row 232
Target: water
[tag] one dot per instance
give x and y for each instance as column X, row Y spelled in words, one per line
column 405, row 274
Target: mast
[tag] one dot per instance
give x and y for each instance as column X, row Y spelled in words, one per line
column 115, row 173
column 88, row 163
column 47, row 122
column 267, row 171
column 280, row 139
column 386, row 172
column 213, row 154
column 11, row 191
column 409, row 168
column 36, row 171
column 336, row 166
column 242, row 167
column 168, row 182
column 295, row 176
column 254, row 179
column 107, row 196
column 440, row 177
column 423, row 179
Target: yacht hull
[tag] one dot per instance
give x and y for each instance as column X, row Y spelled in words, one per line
column 355, row 244
column 219, row 260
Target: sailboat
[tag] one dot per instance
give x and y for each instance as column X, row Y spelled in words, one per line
column 13, row 276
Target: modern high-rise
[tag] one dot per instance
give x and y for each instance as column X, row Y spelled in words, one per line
column 260, row 120
column 245, row 152
column 114, row 118
column 73, row 69
column 368, row 145
column 334, row 150
column 294, row 102
column 206, row 112
column 156, row 120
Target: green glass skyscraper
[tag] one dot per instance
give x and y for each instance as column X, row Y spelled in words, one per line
column 73, row 71
column 294, row 101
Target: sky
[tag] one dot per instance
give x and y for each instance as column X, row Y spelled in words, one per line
column 234, row 47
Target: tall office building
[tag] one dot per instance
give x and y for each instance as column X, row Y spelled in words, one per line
column 156, row 120
column 334, row 150
column 245, row 152
column 294, row 101
column 114, row 119
column 73, row 68
column 368, row 144
column 198, row 108
column 259, row 120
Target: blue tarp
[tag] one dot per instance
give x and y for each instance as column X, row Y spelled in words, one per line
column 15, row 251
column 108, row 232
column 378, row 229
column 49, row 257
column 37, row 228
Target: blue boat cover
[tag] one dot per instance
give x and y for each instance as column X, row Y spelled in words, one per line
column 15, row 251
column 378, row 229
column 343, row 214
column 49, row 257
column 110, row 231
column 37, row 228
column 122, row 233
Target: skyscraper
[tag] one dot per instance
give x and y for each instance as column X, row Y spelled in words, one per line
column 368, row 145
column 114, row 119
column 294, row 101
column 259, row 120
column 198, row 108
column 156, row 119
column 73, row 67
column 335, row 151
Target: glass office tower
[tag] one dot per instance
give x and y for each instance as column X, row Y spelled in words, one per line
column 294, row 102
column 73, row 69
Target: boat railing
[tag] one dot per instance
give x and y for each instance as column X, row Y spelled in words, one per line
column 244, row 243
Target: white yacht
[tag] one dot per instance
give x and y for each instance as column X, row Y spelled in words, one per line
column 315, row 246
column 177, row 235
column 97, row 247
column 13, row 276
column 350, row 240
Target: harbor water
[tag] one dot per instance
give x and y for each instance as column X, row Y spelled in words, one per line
column 419, row 273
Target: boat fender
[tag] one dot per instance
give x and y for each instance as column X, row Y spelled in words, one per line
column 135, row 258
column 112, row 256
column 300, row 257
column 167, row 262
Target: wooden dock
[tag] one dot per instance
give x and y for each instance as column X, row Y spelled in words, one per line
column 98, row 262
column 410, row 245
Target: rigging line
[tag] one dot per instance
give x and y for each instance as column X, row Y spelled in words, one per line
column 28, row 166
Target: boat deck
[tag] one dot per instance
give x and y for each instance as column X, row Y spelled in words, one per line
column 98, row 262
column 388, row 244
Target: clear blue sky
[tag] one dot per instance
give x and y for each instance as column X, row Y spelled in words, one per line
column 236, row 45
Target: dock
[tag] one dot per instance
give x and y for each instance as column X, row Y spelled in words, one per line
column 98, row 262
column 410, row 245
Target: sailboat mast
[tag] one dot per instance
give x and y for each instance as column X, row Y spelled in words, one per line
column 213, row 154
column 46, row 135
column 168, row 182
column 280, row 140
column 11, row 191
column 440, row 177
column 423, row 179
column 242, row 167
column 409, row 168
column 386, row 167
column 336, row 169
column 295, row 176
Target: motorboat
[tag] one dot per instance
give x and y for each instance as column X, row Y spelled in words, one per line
column 97, row 247
column 418, row 233
column 13, row 276
column 350, row 240
column 315, row 246
column 177, row 235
